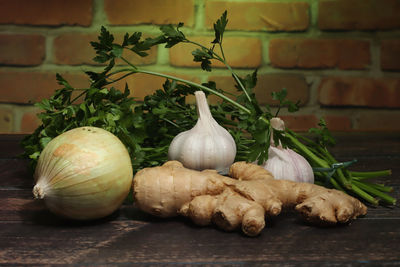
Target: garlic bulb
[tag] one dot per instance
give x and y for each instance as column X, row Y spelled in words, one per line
column 286, row 164
column 207, row 145
column 84, row 173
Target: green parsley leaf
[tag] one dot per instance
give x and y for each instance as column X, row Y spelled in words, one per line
column 219, row 28
column 281, row 98
column 204, row 56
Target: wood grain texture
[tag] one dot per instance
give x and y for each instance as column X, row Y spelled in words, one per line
column 31, row 235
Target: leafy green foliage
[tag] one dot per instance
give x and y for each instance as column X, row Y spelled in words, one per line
column 281, row 97
column 204, row 56
column 322, row 134
column 146, row 128
column 172, row 36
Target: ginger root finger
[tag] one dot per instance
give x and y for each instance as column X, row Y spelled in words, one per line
column 315, row 203
column 163, row 190
column 228, row 211
column 234, row 211
column 330, row 207
column 200, row 209
column 248, row 171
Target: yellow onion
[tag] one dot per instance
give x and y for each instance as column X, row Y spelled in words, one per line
column 83, row 174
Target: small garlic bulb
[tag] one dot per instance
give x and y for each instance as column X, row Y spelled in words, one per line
column 286, row 164
column 84, row 173
column 207, row 145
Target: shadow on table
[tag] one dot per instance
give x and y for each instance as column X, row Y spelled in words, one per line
column 35, row 212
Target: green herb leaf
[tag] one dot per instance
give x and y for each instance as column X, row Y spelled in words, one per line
column 323, row 135
column 203, row 56
column 219, row 28
column 172, row 35
column 283, row 102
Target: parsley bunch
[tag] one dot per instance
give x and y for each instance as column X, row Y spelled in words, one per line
column 147, row 127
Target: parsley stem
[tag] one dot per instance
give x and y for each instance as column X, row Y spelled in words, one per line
column 376, row 192
column 380, row 187
column 371, row 174
column 222, row 50
column 364, row 194
column 202, row 87
column 205, row 88
column 117, row 71
column 336, row 185
column 119, row 78
column 171, row 122
column 320, row 162
column 222, row 60
column 78, row 96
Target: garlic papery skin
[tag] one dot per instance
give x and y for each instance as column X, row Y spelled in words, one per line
column 277, row 124
column 286, row 164
column 207, row 145
column 84, row 173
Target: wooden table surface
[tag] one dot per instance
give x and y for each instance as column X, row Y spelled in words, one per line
column 31, row 235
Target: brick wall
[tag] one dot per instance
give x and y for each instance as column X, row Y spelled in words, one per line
column 341, row 58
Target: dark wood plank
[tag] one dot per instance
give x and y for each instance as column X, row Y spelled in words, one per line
column 10, row 145
column 285, row 240
column 176, row 242
column 35, row 243
column 14, row 173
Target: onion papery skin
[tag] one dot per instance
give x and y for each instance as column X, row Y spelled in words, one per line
column 84, row 173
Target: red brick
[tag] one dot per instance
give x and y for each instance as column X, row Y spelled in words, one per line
column 358, row 14
column 21, row 49
column 303, row 122
column 30, row 87
column 360, row 91
column 75, row 49
column 6, row 120
column 390, row 54
column 353, row 54
column 267, row 83
column 29, row 121
column 44, row 12
column 243, row 52
column 300, row 123
column 256, row 16
column 319, row 53
column 130, row 12
column 378, row 121
column 295, row 85
column 338, row 123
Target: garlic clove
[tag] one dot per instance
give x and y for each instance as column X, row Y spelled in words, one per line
column 207, row 145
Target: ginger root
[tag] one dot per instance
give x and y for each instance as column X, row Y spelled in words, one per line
column 242, row 200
